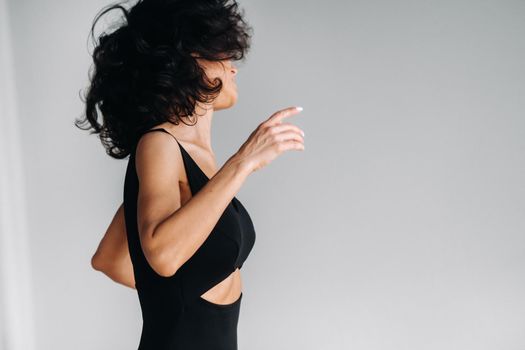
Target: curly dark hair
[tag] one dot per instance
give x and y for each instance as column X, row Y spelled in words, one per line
column 146, row 71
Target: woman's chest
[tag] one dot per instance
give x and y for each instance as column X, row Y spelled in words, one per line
column 234, row 224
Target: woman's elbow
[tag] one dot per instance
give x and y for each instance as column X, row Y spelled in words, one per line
column 162, row 263
column 98, row 262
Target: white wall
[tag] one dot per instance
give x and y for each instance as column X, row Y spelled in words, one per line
column 400, row 226
column 16, row 299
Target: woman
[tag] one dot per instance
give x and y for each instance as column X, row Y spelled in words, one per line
column 181, row 236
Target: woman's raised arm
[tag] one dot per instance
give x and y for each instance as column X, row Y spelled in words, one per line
column 170, row 233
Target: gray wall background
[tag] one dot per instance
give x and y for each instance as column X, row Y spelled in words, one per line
column 401, row 226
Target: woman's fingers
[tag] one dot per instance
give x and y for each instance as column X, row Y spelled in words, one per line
column 285, row 136
column 290, row 145
column 285, row 126
column 288, row 135
column 271, row 138
column 278, row 116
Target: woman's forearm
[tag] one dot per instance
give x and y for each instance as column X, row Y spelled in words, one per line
column 112, row 254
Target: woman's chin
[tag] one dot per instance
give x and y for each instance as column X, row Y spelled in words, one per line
column 233, row 99
column 226, row 103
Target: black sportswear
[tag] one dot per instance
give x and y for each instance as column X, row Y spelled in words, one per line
column 175, row 316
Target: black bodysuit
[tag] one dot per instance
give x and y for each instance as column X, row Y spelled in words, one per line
column 175, row 316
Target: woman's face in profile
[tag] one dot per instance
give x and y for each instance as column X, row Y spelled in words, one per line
column 226, row 71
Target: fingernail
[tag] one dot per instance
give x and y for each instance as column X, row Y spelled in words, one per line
column 299, row 108
column 302, row 132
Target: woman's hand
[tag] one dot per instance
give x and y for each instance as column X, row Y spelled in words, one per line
column 270, row 139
